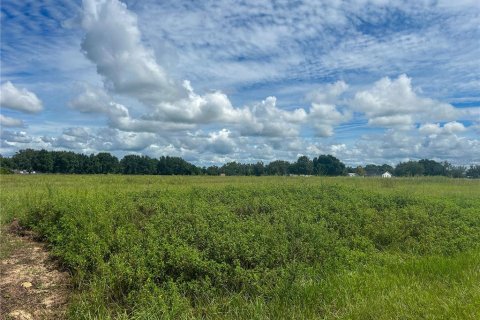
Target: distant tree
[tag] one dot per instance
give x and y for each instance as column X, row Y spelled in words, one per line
column 213, row 171
column 409, row 169
column 457, row 172
column 360, row 171
column 432, row 168
column 454, row 171
column 175, row 165
column 64, row 161
column 372, row 170
column 43, row 161
column 385, row 167
column 69, row 162
column 304, row 165
column 474, row 171
column 376, row 170
column 259, row 168
column 6, row 165
column 349, row 169
column 130, row 164
column 232, row 169
column 328, row 165
column 24, row 159
column 278, row 168
column 106, row 163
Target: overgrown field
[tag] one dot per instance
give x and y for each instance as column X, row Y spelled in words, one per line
column 153, row 247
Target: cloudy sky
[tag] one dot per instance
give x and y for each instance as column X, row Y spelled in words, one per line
column 213, row 81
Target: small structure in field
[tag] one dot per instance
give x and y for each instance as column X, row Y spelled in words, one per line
column 352, row 174
column 222, row 174
column 386, row 174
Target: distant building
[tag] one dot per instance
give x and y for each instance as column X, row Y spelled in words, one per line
column 222, row 174
column 352, row 174
column 386, row 174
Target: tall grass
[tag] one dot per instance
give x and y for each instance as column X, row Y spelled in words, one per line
column 258, row 247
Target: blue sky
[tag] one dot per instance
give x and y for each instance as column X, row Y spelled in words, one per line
column 213, row 81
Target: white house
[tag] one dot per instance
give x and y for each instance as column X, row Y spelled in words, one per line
column 352, row 174
column 386, row 174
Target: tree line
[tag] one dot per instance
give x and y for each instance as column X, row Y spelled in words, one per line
column 67, row 162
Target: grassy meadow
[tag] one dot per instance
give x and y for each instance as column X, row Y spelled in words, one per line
column 156, row 247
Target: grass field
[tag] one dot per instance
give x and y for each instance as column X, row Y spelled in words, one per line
column 154, row 247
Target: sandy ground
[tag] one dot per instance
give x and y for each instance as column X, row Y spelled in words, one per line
column 31, row 284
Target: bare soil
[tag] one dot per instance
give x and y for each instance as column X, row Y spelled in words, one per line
column 31, row 284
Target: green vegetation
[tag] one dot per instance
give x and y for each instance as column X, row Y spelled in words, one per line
column 156, row 247
column 67, row 162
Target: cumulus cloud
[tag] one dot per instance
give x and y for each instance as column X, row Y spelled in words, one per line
column 429, row 140
column 324, row 113
column 113, row 43
column 390, row 103
column 325, row 117
column 205, row 124
column 19, row 99
column 102, row 139
column 436, row 128
column 96, row 100
column 16, row 136
column 220, row 142
column 328, row 94
column 10, row 122
column 266, row 119
column 211, row 107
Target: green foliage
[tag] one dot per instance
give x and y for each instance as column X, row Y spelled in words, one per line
column 328, row 165
column 409, row 169
column 44, row 161
column 151, row 247
column 474, row 171
column 375, row 170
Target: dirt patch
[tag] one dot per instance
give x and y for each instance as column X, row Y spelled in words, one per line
column 31, row 285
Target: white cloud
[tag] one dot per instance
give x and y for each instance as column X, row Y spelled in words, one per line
column 266, row 119
column 324, row 114
column 252, row 50
column 430, row 141
column 96, row 100
column 220, row 142
column 454, row 127
column 10, row 122
column 328, row 94
column 434, row 129
column 19, row 99
column 113, row 43
column 390, row 103
column 16, row 136
column 102, row 139
column 325, row 117
column 209, row 108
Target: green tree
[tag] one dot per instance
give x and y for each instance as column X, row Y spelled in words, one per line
column 409, row 169
column 106, row 163
column 432, row 168
column 360, row 171
column 24, row 159
column 304, row 165
column 474, row 171
column 278, row 168
column 328, row 165
column 43, row 161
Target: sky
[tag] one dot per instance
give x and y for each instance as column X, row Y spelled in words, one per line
column 378, row 81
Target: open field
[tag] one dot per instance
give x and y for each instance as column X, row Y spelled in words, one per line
column 155, row 247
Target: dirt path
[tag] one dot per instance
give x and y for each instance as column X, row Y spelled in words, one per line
column 31, row 286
